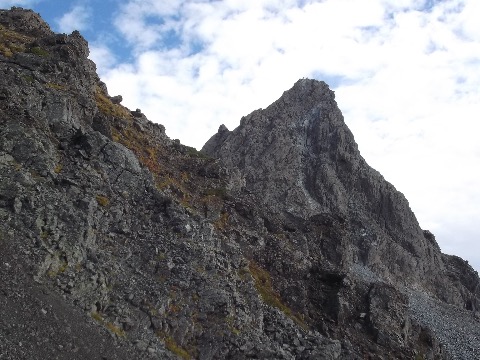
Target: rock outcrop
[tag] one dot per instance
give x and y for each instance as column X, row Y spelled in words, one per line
column 300, row 161
column 277, row 241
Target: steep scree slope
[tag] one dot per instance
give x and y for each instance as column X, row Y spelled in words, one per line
column 118, row 243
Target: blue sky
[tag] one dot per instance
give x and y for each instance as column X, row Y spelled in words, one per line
column 405, row 74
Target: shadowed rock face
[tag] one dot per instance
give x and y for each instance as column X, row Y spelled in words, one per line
column 117, row 242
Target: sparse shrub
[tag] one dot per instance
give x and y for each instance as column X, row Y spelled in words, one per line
column 230, row 320
column 28, row 78
column 102, row 200
column 5, row 50
column 58, row 268
column 107, row 107
column 172, row 346
column 97, row 317
column 263, row 284
column 194, row 152
column 220, row 192
column 37, row 50
column 12, row 42
column 58, row 168
column 222, row 222
column 115, row 329
column 110, row 326
column 55, row 86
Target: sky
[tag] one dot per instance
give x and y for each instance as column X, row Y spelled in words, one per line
column 405, row 75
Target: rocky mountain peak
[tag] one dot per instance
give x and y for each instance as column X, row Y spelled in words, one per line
column 301, row 162
column 288, row 143
column 277, row 241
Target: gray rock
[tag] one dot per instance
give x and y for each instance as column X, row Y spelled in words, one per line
column 116, row 99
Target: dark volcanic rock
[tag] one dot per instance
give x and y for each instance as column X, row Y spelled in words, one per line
column 117, row 242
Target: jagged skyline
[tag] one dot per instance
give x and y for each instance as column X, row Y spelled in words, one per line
column 404, row 75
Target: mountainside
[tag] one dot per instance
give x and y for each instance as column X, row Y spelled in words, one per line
column 276, row 241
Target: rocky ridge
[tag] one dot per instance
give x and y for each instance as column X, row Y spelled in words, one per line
column 276, row 241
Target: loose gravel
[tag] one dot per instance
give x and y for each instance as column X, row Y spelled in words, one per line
column 457, row 330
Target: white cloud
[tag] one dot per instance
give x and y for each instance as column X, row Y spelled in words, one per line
column 405, row 74
column 76, row 19
column 102, row 56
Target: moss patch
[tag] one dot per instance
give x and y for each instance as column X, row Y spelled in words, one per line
column 172, row 346
column 194, row 152
column 58, row 169
column 220, row 192
column 107, row 107
column 55, row 86
column 37, row 50
column 102, row 200
column 222, row 222
column 263, row 284
column 28, row 78
column 12, row 42
column 119, row 332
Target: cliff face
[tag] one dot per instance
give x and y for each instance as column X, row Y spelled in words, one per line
column 117, row 242
column 302, row 162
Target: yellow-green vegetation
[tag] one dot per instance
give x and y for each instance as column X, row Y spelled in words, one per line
column 54, row 271
column 222, row 222
column 37, row 50
column 106, row 106
column 243, row 273
column 44, row 234
column 140, row 144
column 55, row 86
column 12, row 42
column 176, row 185
column 58, row 169
column 148, row 154
column 161, row 256
column 115, row 329
column 263, row 284
column 174, row 308
column 35, row 174
column 230, row 320
column 160, row 158
column 173, row 347
column 220, row 192
column 102, row 200
column 110, row 326
column 96, row 316
column 28, row 78
column 194, row 152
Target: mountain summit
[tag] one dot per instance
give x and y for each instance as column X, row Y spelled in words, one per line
column 276, row 241
column 301, row 161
